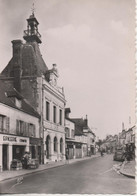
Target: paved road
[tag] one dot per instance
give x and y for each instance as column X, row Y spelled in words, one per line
column 93, row 176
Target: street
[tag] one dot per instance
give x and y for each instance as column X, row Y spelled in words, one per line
column 93, row 176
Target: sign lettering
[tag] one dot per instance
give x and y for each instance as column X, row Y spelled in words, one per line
column 11, row 139
column 23, row 140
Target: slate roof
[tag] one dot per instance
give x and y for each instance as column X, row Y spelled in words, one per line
column 7, row 95
column 80, row 124
column 32, row 63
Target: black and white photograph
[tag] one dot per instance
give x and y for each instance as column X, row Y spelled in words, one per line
column 67, row 97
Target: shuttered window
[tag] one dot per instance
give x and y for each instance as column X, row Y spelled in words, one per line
column 4, row 124
column 20, row 126
column 17, row 127
column 32, row 130
column 25, row 129
column 7, row 124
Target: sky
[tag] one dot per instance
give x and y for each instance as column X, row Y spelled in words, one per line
column 93, row 44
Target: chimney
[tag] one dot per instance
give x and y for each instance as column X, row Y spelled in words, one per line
column 17, row 63
column 86, row 121
column 67, row 112
column 123, row 128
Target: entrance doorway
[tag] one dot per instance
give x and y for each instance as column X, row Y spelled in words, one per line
column 33, row 151
column 18, row 152
column 39, row 154
column 48, row 143
column 5, row 156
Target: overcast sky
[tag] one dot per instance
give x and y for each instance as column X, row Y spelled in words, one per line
column 92, row 43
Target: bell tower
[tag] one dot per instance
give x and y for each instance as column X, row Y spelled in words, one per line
column 32, row 34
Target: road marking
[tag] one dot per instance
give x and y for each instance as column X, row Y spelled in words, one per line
column 19, row 181
column 106, row 171
column 115, row 167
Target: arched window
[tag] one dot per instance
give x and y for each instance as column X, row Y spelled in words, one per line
column 48, row 146
column 55, row 144
column 61, row 145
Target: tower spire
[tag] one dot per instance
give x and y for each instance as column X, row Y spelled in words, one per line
column 32, row 33
column 33, row 9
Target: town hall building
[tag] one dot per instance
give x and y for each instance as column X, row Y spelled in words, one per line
column 29, row 75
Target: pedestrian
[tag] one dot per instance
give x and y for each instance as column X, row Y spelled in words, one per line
column 101, row 152
column 67, row 157
column 25, row 160
column 124, row 154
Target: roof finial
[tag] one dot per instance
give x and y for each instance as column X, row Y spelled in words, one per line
column 33, row 9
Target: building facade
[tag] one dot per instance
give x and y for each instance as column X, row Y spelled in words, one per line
column 29, row 75
column 19, row 128
column 85, row 134
column 76, row 140
column 70, row 138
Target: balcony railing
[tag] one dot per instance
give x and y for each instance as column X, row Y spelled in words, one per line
column 29, row 32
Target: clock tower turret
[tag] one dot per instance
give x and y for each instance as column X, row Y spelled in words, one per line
column 32, row 34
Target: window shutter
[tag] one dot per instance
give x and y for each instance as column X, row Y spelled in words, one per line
column 21, row 127
column 24, row 128
column 7, row 124
column 17, row 127
column 1, row 123
column 34, row 131
column 27, row 129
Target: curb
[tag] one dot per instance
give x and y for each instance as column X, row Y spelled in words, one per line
column 38, row 171
column 124, row 173
column 128, row 175
column 26, row 174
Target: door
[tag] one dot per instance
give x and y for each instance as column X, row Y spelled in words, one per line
column 39, row 154
column 5, row 157
column 18, row 152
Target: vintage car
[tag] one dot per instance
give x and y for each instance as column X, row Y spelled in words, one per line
column 118, row 155
column 33, row 163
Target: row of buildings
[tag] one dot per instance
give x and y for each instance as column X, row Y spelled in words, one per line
column 125, row 140
column 33, row 113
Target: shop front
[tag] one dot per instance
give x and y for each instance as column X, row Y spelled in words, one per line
column 12, row 147
column 78, row 150
column 70, row 149
column 36, row 148
column 92, row 149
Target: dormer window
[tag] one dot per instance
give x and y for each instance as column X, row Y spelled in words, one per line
column 18, row 103
column 53, row 75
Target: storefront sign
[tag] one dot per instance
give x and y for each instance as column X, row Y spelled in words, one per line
column 13, row 139
column 23, row 140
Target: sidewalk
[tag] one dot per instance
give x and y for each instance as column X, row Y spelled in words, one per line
column 128, row 169
column 5, row 175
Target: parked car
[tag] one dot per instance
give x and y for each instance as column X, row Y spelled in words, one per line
column 119, row 155
column 33, row 163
